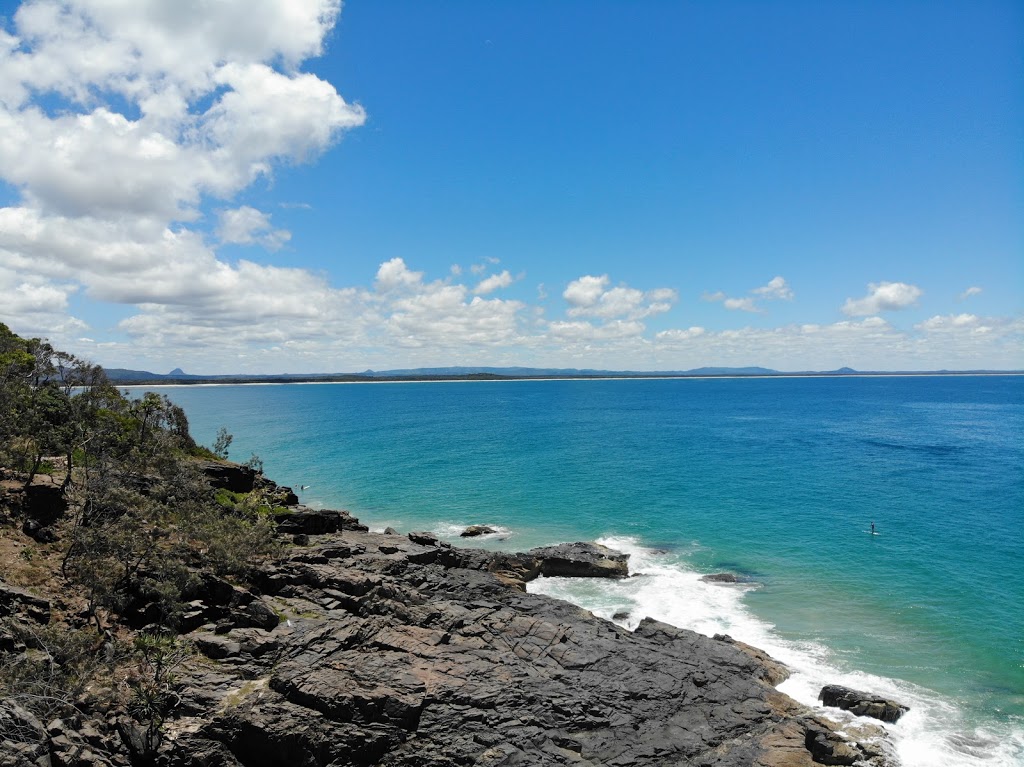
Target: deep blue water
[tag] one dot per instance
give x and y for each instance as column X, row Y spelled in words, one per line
column 778, row 479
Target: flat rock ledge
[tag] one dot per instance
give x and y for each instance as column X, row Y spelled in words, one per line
column 406, row 651
column 862, row 703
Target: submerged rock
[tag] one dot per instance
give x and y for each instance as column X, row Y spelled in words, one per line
column 474, row 530
column 721, row 578
column 861, row 703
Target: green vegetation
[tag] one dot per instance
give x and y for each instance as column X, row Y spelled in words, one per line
column 141, row 522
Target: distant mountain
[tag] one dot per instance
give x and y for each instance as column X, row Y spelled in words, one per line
column 520, row 372
column 754, row 371
column 126, row 376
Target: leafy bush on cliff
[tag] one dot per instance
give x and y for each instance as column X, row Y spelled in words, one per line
column 141, row 515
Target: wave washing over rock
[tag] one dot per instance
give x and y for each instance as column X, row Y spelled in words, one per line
column 932, row 731
column 402, row 650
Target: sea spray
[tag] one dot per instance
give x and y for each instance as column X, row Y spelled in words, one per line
column 663, row 587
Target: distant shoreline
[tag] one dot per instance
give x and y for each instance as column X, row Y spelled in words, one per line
column 491, row 378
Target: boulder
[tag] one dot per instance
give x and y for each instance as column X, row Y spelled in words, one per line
column 474, row 530
column 581, row 560
column 229, row 476
column 18, row 602
column 304, row 521
column 428, row 539
column 257, row 614
column 38, row 532
column 720, row 578
column 861, row 703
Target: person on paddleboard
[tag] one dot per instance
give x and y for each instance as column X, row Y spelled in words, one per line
column 872, row 528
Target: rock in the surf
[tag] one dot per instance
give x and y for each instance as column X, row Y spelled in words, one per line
column 581, row 560
column 720, row 578
column 474, row 530
column 861, row 703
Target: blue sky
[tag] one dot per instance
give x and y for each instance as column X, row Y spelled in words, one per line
column 292, row 187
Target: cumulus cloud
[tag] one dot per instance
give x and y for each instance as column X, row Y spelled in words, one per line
column 395, row 274
column 590, row 296
column 121, row 119
column 494, row 282
column 777, row 288
column 971, row 291
column 248, row 226
column 883, row 297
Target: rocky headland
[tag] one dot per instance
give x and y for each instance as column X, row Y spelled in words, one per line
column 361, row 648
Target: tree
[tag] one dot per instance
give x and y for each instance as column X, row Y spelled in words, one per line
column 222, row 443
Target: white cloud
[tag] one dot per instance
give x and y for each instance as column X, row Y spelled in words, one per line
column 881, row 297
column 441, row 317
column 494, row 282
column 677, row 335
column 741, row 304
column 777, row 288
column 971, row 291
column 579, row 330
column 119, row 119
column 953, row 322
column 588, row 297
column 248, row 226
column 394, row 274
column 586, row 290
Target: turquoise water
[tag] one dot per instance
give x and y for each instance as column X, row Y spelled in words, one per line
column 776, row 479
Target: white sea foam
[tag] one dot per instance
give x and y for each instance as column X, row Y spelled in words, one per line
column 933, row 731
column 453, row 531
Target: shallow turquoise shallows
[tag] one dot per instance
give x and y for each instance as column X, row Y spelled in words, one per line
column 778, row 480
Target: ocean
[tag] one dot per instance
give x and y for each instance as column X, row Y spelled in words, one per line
column 777, row 480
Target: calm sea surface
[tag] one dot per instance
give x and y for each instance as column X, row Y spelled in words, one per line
column 777, row 480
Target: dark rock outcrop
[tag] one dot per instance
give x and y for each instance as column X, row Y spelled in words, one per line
column 721, row 578
column 861, row 703
column 475, row 530
column 373, row 649
column 229, row 476
column 581, row 560
column 305, row 521
column 406, row 652
column 428, row 539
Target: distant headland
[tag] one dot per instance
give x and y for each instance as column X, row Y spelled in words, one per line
column 178, row 376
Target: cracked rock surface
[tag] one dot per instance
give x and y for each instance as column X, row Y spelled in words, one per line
column 404, row 651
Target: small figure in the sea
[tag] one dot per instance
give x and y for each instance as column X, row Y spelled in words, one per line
column 872, row 528
column 303, row 487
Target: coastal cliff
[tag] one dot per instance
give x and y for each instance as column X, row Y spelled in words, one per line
column 360, row 648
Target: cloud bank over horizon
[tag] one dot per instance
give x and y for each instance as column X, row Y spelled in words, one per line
column 133, row 133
